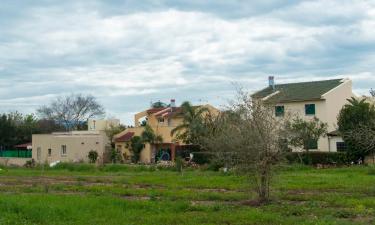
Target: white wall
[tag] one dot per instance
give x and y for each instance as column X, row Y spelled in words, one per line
column 332, row 143
column 78, row 145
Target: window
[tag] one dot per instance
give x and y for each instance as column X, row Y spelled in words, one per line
column 279, row 110
column 341, row 146
column 312, row 144
column 63, row 150
column 310, row 109
column 161, row 120
column 49, row 152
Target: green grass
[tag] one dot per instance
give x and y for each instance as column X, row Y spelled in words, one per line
column 119, row 194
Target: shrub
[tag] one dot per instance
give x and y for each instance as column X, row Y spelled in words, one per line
column 314, row 158
column 215, row 165
column 30, row 163
column 179, row 164
column 93, row 156
column 80, row 167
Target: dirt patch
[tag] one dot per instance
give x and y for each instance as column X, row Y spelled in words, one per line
column 136, row 198
column 253, row 203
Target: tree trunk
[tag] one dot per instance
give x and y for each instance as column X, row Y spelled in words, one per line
column 264, row 185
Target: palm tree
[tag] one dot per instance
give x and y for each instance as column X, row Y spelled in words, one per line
column 192, row 127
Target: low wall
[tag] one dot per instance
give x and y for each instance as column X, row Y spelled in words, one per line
column 13, row 161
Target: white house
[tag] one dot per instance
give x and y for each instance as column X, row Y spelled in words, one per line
column 322, row 99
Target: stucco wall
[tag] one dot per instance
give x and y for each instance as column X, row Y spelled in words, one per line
column 297, row 109
column 13, row 161
column 326, row 110
column 77, row 145
column 160, row 128
column 101, row 125
column 332, row 143
column 335, row 100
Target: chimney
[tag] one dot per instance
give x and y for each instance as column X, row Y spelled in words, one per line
column 271, row 82
column 173, row 103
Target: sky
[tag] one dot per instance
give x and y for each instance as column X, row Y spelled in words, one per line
column 130, row 53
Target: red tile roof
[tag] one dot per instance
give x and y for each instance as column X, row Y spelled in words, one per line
column 23, row 145
column 154, row 110
column 125, row 137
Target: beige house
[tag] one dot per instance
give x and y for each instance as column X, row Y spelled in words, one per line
column 95, row 124
column 322, row 99
column 162, row 121
column 73, row 146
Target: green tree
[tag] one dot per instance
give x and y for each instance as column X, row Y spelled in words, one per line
column 136, row 146
column 306, row 133
column 355, row 115
column 16, row 128
column 93, row 156
column 159, row 104
column 111, row 131
column 149, row 136
column 193, row 127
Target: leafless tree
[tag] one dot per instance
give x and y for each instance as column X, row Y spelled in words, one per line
column 72, row 110
column 372, row 92
column 247, row 137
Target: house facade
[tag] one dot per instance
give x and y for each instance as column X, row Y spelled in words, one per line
column 73, row 146
column 322, row 99
column 162, row 120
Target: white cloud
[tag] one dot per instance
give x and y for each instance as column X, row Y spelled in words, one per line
column 58, row 49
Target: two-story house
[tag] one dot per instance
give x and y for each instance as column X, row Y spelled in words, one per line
column 162, row 120
column 322, row 99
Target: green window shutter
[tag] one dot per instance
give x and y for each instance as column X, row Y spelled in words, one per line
column 310, row 109
column 279, row 110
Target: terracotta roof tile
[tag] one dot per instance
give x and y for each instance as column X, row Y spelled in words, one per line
column 126, row 137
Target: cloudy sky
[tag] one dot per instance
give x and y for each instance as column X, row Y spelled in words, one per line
column 129, row 53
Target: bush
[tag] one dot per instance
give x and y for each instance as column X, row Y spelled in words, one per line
column 80, row 167
column 314, row 158
column 93, row 156
column 179, row 164
column 30, row 163
column 215, row 165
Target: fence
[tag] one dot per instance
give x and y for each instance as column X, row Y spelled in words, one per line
column 17, row 153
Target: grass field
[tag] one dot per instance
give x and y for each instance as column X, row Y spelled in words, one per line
column 135, row 195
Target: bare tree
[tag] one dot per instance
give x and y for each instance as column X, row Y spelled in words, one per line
column 247, row 138
column 372, row 92
column 72, row 110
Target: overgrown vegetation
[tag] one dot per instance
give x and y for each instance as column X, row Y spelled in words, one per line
column 356, row 123
column 315, row 158
column 123, row 194
column 16, row 128
column 93, row 156
column 247, row 138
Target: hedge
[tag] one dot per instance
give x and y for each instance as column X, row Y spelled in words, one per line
column 313, row 158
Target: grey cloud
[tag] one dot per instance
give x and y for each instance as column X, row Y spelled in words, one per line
column 128, row 53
